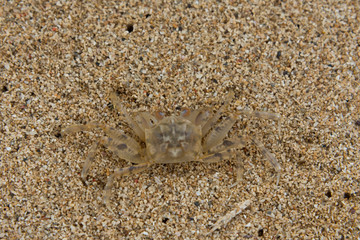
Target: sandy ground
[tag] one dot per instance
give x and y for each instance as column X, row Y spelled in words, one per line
column 60, row 60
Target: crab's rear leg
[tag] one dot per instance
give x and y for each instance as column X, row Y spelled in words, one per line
column 259, row 114
column 119, row 173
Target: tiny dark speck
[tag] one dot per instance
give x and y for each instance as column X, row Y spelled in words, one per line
column 278, row 54
column 122, row 146
column 197, row 203
column 129, row 28
column 328, row 194
column 347, row 195
column 357, row 123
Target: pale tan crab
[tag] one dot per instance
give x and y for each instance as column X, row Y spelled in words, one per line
column 192, row 136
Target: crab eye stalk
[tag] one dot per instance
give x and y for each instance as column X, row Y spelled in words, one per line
column 159, row 115
column 185, row 112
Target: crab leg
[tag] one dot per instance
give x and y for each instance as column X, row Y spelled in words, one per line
column 119, row 173
column 91, row 155
column 211, row 121
column 263, row 115
column 81, row 127
column 146, row 120
column 117, row 141
column 223, row 151
column 234, row 142
column 217, row 135
column 122, row 145
column 111, row 132
column 132, row 123
column 198, row 117
column 89, row 159
column 269, row 156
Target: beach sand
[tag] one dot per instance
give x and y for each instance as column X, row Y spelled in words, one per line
column 60, row 60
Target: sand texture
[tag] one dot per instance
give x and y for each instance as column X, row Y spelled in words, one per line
column 61, row 60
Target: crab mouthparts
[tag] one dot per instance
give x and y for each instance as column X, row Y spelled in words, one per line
column 175, row 152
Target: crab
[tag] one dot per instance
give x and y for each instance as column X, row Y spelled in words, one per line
column 158, row 139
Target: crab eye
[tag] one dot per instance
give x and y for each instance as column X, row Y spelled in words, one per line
column 185, row 112
column 159, row 115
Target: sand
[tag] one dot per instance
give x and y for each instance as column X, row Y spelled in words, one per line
column 60, row 60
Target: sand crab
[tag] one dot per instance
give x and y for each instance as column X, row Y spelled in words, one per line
column 192, row 136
